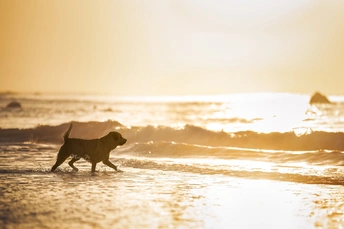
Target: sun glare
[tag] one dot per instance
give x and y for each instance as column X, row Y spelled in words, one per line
column 263, row 112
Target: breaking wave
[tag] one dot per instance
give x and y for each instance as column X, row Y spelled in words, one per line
column 314, row 158
column 189, row 134
column 183, row 150
column 250, row 174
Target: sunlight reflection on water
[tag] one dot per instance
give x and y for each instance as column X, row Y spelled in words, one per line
column 158, row 199
column 262, row 112
column 31, row 196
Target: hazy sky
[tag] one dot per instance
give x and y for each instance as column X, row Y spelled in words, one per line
column 154, row 47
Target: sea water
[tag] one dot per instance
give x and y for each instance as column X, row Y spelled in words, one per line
column 225, row 161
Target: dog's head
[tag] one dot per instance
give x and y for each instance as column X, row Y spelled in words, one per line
column 117, row 137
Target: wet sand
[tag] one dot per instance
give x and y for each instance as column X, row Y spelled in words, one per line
column 32, row 197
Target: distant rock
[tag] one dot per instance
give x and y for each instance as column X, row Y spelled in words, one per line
column 319, row 98
column 7, row 93
column 13, row 104
column 108, row 110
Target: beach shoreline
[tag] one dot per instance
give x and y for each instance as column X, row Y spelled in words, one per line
column 31, row 196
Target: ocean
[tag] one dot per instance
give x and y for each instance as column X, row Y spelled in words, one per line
column 267, row 160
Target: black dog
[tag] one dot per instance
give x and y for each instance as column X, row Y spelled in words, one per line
column 94, row 150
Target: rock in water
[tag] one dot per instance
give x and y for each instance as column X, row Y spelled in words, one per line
column 14, row 104
column 319, row 98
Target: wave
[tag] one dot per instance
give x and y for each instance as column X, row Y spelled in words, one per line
column 53, row 134
column 248, row 174
column 234, row 120
column 189, row 134
column 182, row 150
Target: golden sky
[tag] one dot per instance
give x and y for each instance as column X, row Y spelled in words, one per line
column 173, row 47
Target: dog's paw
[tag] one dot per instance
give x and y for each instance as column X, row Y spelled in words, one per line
column 119, row 171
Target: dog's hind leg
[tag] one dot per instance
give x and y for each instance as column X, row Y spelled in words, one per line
column 61, row 157
column 59, row 161
column 71, row 162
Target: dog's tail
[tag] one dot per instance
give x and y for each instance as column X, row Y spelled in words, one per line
column 66, row 134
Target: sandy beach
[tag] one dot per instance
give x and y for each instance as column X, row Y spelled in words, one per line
column 32, row 197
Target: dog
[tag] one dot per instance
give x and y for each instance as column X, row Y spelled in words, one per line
column 94, row 150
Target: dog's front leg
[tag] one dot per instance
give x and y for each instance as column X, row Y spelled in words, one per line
column 108, row 163
column 94, row 166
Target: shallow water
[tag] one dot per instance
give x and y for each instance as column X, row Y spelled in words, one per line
column 33, row 197
column 233, row 161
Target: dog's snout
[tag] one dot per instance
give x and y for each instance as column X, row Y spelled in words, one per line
column 123, row 141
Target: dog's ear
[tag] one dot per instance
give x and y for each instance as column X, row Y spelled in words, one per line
column 115, row 136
